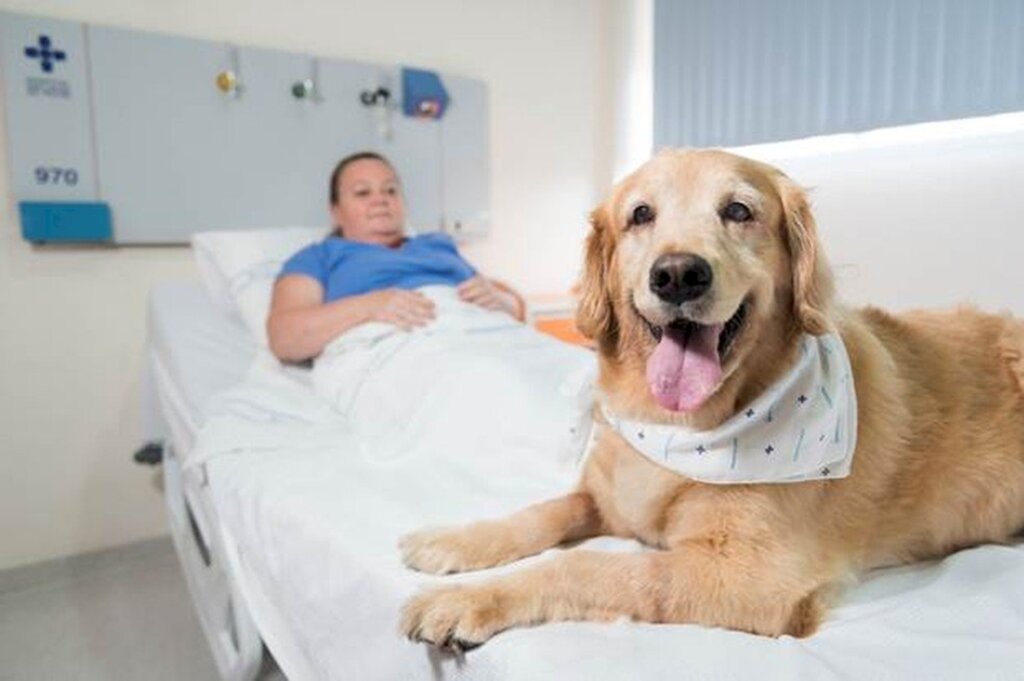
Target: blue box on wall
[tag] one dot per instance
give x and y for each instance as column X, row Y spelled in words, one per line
column 65, row 221
column 423, row 94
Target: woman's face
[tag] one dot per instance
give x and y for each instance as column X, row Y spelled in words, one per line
column 369, row 206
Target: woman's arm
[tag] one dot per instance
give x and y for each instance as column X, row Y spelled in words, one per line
column 493, row 295
column 300, row 324
column 515, row 302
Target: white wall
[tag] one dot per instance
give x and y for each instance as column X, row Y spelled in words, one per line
column 72, row 320
column 631, row 85
column 921, row 223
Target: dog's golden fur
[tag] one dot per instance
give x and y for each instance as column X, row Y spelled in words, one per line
column 939, row 463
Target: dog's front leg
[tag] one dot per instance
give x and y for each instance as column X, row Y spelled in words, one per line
column 488, row 543
column 678, row 586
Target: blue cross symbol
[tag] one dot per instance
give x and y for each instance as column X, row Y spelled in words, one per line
column 769, row 449
column 802, row 399
column 701, row 449
column 825, row 471
column 45, row 54
column 750, row 413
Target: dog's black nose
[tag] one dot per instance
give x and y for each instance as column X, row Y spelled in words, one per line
column 679, row 277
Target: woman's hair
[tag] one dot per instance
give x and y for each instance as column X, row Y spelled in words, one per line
column 345, row 162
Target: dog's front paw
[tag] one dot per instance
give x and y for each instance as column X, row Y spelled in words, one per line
column 442, row 551
column 457, row 617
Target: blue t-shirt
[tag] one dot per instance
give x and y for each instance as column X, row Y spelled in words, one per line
column 348, row 268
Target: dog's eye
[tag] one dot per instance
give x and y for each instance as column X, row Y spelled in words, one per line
column 641, row 215
column 737, row 212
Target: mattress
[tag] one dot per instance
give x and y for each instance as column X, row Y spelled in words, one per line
column 311, row 523
column 196, row 351
column 314, row 518
column 318, row 534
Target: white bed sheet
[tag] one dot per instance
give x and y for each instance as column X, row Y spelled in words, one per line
column 196, row 351
column 326, row 561
column 315, row 520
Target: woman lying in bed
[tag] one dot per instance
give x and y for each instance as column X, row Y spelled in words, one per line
column 367, row 269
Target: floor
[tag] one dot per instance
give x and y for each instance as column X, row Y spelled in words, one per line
column 122, row 614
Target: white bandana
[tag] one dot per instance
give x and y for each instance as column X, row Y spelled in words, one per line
column 803, row 427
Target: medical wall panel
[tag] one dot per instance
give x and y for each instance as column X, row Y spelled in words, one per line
column 466, row 157
column 49, row 140
column 159, row 136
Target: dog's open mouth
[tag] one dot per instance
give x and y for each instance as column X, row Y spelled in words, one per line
column 686, row 366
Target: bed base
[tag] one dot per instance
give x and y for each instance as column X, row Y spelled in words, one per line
column 230, row 631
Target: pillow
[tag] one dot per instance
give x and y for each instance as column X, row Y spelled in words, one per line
column 238, row 268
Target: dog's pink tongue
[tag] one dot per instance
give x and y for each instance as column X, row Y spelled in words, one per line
column 683, row 372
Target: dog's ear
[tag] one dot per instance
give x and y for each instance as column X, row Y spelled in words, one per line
column 595, row 317
column 812, row 278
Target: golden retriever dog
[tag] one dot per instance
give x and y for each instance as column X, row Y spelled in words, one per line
column 717, row 256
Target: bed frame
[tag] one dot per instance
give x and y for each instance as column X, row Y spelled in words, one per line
column 229, row 628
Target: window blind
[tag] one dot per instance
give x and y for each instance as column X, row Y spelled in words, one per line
column 734, row 72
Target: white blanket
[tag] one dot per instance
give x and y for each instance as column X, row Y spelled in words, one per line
column 473, row 383
column 464, row 421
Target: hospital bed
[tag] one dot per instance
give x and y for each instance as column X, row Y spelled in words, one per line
column 271, row 554
column 195, row 351
column 292, row 540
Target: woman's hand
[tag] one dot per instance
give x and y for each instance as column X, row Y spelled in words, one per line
column 405, row 309
column 482, row 291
